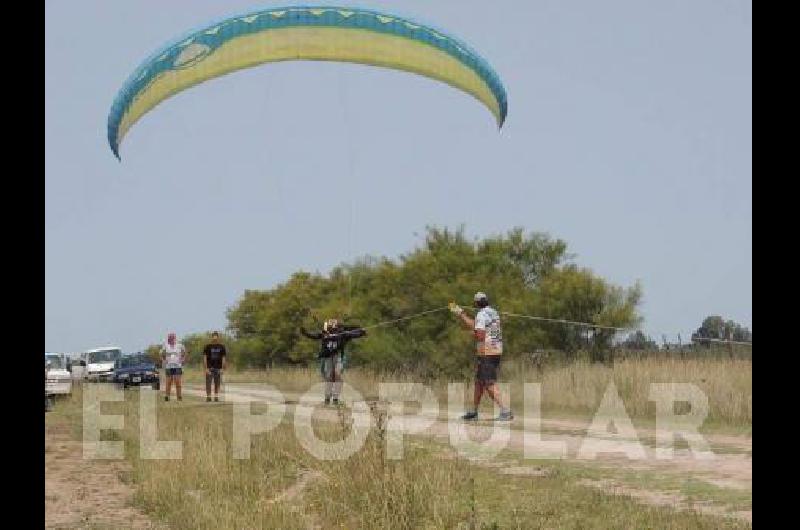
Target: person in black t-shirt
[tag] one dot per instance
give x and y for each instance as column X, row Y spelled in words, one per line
column 214, row 363
column 333, row 338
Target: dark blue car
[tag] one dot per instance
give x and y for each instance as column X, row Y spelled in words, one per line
column 134, row 370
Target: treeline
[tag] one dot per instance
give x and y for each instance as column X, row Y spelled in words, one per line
column 715, row 328
column 522, row 273
column 714, row 333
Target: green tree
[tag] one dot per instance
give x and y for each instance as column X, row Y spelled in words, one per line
column 576, row 294
column 639, row 341
column 717, row 328
column 523, row 273
column 154, row 352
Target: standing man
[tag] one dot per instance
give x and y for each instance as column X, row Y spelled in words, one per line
column 173, row 355
column 333, row 338
column 214, row 363
column 489, row 341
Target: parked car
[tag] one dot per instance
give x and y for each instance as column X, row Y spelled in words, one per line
column 134, row 370
column 100, row 363
column 76, row 366
column 48, row 400
column 58, row 380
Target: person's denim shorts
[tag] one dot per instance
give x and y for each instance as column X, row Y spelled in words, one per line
column 174, row 371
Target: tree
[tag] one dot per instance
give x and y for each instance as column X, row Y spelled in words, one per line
column 576, row 294
column 523, row 273
column 717, row 328
column 154, row 352
column 640, row 342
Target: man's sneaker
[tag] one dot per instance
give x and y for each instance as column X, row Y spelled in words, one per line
column 180, row 398
column 216, row 399
column 166, row 398
column 208, row 399
column 469, row 416
column 505, row 416
column 336, row 402
column 327, row 401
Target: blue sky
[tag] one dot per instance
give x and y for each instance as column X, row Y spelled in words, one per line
column 629, row 136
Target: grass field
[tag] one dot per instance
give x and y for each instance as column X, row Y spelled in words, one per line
column 571, row 390
column 283, row 486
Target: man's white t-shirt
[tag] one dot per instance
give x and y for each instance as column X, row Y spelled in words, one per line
column 488, row 320
column 174, row 355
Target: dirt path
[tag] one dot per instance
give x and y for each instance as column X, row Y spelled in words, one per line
column 734, row 470
column 669, row 499
column 293, row 497
column 723, row 470
column 85, row 493
column 741, row 443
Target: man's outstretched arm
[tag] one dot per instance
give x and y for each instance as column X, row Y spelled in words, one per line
column 355, row 333
column 468, row 321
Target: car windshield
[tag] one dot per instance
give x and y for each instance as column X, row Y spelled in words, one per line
column 133, row 360
column 104, row 356
column 54, row 360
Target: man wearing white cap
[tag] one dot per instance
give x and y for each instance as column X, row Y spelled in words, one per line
column 488, row 334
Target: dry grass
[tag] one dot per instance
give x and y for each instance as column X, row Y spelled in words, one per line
column 579, row 387
column 283, row 486
column 573, row 389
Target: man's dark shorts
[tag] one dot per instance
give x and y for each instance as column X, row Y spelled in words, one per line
column 488, row 366
column 174, row 371
column 214, row 374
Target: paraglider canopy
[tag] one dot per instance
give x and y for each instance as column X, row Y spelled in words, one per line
column 303, row 33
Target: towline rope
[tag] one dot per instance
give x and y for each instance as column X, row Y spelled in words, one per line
column 541, row 319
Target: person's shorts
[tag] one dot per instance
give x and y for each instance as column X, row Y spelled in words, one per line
column 173, row 371
column 488, row 366
column 215, row 375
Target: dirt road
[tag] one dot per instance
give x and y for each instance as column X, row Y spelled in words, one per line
column 85, row 493
column 734, row 469
column 731, row 469
column 94, row 493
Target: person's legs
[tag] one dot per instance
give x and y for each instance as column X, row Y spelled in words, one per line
column 337, row 366
column 494, row 393
column 208, row 385
column 478, row 394
column 492, row 368
column 217, row 381
column 327, row 373
column 178, row 385
column 505, row 412
column 169, row 384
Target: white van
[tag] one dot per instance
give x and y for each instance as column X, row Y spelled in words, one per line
column 76, row 366
column 100, row 363
column 58, row 381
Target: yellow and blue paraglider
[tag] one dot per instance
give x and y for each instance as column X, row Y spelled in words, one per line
column 303, row 33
